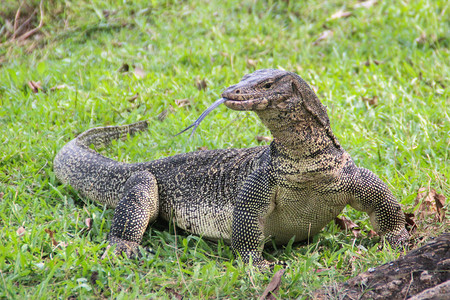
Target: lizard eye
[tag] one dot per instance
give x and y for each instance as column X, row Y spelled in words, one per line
column 268, row 85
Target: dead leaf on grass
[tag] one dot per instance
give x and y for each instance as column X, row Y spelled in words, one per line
column 201, row 84
column 94, row 277
column 58, row 87
column 124, row 68
column 139, row 72
column 88, row 223
column 410, row 220
column 324, row 36
column 252, row 63
column 202, row 148
column 1, row 195
column 431, row 204
column 173, row 293
column 35, row 86
column 339, row 14
column 373, row 61
column 372, row 233
column 365, row 4
column 348, row 225
column 163, row 115
column 272, row 288
column 371, row 101
column 51, row 233
column 20, row 231
column 183, row 102
column 133, row 98
column 421, row 39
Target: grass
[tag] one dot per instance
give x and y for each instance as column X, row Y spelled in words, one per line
column 395, row 54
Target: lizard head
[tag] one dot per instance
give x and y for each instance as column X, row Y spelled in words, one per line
column 271, row 91
column 260, row 90
column 274, row 95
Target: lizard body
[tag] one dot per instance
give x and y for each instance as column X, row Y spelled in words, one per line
column 293, row 187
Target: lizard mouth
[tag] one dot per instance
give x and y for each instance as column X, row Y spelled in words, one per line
column 246, row 104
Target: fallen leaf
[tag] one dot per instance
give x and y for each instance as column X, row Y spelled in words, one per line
column 88, row 223
column 374, row 61
column 124, row 68
column 321, row 270
column 134, row 97
column 20, row 231
column 252, row 63
column 410, row 220
column 173, row 293
column 1, row 195
column 163, row 115
column 35, row 86
column 202, row 148
column 365, row 4
column 183, row 102
column 139, row 72
column 263, row 138
column 324, row 36
column 339, row 14
column 421, row 39
column 201, row 84
column 431, row 204
column 371, row 101
column 94, row 277
column 272, row 288
column 50, row 233
column 347, row 225
column 58, row 87
column 440, row 202
column 372, row 233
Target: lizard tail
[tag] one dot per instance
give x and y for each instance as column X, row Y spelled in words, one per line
column 102, row 136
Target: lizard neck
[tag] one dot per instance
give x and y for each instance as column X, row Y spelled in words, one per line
column 299, row 135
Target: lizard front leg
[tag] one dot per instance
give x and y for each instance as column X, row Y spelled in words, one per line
column 371, row 195
column 253, row 203
column 138, row 206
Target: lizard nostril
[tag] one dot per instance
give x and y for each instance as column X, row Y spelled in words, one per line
column 237, row 91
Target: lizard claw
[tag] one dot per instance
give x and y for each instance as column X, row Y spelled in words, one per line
column 268, row 266
column 123, row 247
column 398, row 240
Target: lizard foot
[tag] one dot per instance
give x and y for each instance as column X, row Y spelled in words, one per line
column 123, row 247
column 398, row 240
column 268, row 266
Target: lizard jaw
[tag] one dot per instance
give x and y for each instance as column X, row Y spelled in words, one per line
column 246, row 104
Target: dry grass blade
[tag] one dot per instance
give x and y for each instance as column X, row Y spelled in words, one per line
column 33, row 31
column 35, row 86
column 365, row 4
column 324, row 36
column 339, row 14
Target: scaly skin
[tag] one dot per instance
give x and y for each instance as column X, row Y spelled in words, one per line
column 293, row 187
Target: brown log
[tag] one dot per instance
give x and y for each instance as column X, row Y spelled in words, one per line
column 423, row 273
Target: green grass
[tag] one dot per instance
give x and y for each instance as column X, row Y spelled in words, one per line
column 84, row 44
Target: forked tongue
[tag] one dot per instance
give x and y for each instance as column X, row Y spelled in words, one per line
column 202, row 116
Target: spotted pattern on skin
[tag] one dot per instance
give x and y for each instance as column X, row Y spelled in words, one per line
column 291, row 188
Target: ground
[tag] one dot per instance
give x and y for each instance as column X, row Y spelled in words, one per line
column 381, row 68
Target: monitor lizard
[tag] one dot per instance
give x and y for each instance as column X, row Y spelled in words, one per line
column 289, row 189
